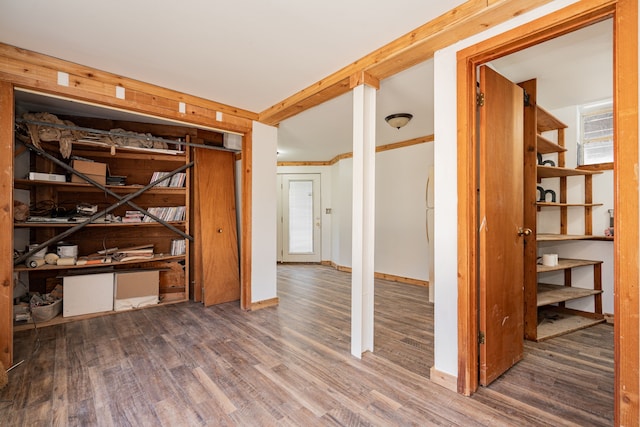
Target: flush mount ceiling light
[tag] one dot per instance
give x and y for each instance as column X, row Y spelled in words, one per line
column 398, row 120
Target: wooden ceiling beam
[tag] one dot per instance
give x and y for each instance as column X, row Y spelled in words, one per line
column 413, row 48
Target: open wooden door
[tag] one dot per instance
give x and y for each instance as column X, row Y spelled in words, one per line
column 501, row 251
column 216, row 269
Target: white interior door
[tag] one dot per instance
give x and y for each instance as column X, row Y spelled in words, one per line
column 300, row 221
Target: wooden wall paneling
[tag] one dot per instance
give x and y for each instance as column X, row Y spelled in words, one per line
column 6, row 223
column 218, row 229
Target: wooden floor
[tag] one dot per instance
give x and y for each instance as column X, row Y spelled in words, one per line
column 184, row 365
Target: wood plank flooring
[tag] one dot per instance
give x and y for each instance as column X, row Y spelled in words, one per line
column 186, row 365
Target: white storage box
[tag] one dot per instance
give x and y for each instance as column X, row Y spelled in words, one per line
column 135, row 289
column 87, row 293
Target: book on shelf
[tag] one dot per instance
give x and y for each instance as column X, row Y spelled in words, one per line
column 157, row 176
column 168, row 213
column 175, row 181
column 178, row 180
column 178, row 247
column 132, row 217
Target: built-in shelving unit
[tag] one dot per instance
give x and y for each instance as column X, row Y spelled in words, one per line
column 94, row 234
column 545, row 313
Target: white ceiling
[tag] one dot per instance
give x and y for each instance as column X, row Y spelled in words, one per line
column 253, row 54
column 249, row 54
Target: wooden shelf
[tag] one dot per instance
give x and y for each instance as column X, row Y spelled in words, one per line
column 560, row 205
column 99, row 149
column 553, row 294
column 557, row 172
column 26, row 184
column 59, row 319
column 156, row 258
column 544, row 237
column 546, row 121
column 94, row 224
column 537, row 325
column 555, row 321
column 546, row 146
column 565, row 264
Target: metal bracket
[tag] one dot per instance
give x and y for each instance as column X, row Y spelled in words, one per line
column 480, row 99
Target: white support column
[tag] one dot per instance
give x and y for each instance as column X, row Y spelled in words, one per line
column 363, row 219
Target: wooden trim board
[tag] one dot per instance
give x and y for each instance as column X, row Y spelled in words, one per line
column 6, row 218
column 443, row 379
column 264, row 304
column 408, row 50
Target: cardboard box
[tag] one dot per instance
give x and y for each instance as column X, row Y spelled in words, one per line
column 94, row 170
column 87, row 293
column 135, row 289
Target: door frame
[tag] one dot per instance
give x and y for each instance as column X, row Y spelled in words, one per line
column 626, row 271
column 283, row 202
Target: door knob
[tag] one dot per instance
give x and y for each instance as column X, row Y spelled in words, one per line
column 524, row 231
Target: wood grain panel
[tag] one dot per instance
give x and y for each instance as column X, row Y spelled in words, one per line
column 627, row 206
column 40, row 72
column 6, row 223
column 215, row 200
column 531, row 141
column 246, row 181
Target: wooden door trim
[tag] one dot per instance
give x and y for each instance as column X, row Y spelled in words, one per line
column 6, row 218
column 573, row 17
column 245, row 239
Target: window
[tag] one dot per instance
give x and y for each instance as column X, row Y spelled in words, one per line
column 596, row 134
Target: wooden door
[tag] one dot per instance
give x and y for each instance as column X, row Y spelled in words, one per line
column 501, row 250
column 216, row 269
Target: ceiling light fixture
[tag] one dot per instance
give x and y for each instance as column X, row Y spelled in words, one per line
column 398, row 120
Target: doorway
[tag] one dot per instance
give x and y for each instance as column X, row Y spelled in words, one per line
column 561, row 22
column 299, row 227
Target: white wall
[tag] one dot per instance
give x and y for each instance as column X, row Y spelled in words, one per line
column 401, row 174
column 263, row 219
column 445, row 157
column 342, row 210
column 401, row 178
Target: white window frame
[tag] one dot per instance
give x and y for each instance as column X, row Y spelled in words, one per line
column 597, row 149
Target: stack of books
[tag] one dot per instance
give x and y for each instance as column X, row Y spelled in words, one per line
column 132, row 217
column 116, row 180
column 169, row 213
column 177, row 180
column 178, row 247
